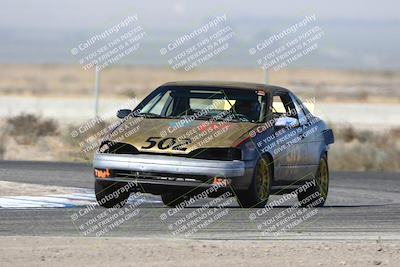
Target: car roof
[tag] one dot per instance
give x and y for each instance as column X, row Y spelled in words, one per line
column 228, row 84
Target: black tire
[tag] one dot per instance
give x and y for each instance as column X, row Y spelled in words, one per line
column 106, row 196
column 172, row 200
column 258, row 193
column 315, row 196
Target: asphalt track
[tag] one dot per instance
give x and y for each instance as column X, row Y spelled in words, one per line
column 364, row 205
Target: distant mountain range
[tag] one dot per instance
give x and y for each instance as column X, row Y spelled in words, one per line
column 347, row 44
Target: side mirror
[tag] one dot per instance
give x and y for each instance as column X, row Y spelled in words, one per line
column 287, row 122
column 328, row 136
column 122, row 113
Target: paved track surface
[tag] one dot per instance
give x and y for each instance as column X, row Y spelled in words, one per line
column 360, row 206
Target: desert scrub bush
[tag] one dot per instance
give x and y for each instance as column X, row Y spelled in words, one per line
column 361, row 150
column 27, row 128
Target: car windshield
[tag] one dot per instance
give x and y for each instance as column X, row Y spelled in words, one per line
column 204, row 104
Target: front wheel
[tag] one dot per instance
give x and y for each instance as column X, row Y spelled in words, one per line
column 315, row 195
column 258, row 193
column 110, row 195
column 172, row 200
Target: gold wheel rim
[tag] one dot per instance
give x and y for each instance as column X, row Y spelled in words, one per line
column 262, row 179
column 323, row 178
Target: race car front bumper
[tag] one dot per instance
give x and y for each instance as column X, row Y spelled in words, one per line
column 169, row 164
column 175, row 171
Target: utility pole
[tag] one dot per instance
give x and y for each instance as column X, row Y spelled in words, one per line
column 96, row 91
column 266, row 76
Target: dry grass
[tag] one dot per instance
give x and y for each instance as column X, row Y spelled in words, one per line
column 123, row 81
column 27, row 128
column 31, row 137
column 365, row 150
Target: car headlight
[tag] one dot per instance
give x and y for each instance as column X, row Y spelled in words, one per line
column 117, row 148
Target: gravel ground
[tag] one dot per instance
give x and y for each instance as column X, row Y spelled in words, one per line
column 80, row 251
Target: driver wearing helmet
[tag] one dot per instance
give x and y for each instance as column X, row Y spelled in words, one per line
column 247, row 108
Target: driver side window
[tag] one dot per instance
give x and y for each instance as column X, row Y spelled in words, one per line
column 278, row 107
column 282, row 105
column 300, row 113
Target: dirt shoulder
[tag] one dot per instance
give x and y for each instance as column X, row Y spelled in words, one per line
column 80, row 251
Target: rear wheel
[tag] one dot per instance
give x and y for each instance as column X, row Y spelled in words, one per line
column 315, row 196
column 258, row 193
column 110, row 195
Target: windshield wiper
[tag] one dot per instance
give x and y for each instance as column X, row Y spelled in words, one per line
column 187, row 116
column 149, row 115
column 204, row 117
column 174, row 117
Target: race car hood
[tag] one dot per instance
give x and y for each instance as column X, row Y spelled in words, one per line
column 178, row 136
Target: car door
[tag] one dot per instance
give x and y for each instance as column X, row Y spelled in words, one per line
column 289, row 149
column 305, row 134
column 313, row 137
